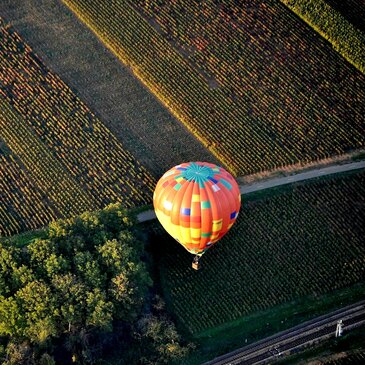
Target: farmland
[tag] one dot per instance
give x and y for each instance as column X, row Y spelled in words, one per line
column 23, row 207
column 352, row 10
column 304, row 241
column 99, row 98
column 258, row 94
column 108, row 87
column 334, row 27
column 62, row 147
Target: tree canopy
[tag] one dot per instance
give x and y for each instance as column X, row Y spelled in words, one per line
column 76, row 292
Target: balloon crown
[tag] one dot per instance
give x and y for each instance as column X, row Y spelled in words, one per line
column 197, row 173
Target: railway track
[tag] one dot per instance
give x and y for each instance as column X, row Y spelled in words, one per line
column 292, row 340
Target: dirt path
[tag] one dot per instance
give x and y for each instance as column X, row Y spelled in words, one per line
column 110, row 90
column 245, row 189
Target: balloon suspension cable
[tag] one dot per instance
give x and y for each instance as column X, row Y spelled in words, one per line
column 196, row 264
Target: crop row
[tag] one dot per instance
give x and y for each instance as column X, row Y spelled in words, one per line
column 70, row 131
column 23, row 207
column 308, row 241
column 270, row 71
column 345, row 38
column 267, row 107
column 209, row 115
column 47, row 173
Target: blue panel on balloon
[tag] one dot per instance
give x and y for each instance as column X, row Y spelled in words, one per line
column 185, row 211
column 212, row 179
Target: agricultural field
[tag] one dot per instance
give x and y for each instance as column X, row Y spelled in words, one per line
column 99, row 98
column 254, row 83
column 24, row 206
column 61, row 147
column 333, row 26
column 108, row 87
column 306, row 241
column 353, row 10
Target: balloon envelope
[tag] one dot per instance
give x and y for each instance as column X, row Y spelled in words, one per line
column 197, row 203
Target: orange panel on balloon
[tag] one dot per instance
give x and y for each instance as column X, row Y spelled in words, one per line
column 197, row 203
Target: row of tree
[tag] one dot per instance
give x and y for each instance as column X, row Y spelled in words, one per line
column 81, row 294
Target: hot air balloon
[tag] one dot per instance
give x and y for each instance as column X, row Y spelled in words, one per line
column 197, row 203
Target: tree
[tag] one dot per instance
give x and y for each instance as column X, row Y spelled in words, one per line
column 37, row 306
column 12, row 322
column 160, row 341
column 71, row 295
column 9, row 260
column 99, row 310
column 81, row 288
column 45, row 258
column 87, row 267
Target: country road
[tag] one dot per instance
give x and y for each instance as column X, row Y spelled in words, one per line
column 289, row 341
column 245, row 189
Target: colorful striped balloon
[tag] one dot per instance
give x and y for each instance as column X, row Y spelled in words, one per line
column 197, row 203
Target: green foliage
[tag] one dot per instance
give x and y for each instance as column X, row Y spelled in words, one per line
column 81, row 291
column 11, row 321
column 73, row 284
column 158, row 339
column 100, row 311
column 158, row 336
column 36, row 308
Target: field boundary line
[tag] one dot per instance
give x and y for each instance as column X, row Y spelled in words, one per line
column 278, row 181
column 348, row 41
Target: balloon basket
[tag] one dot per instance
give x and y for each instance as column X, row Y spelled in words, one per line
column 196, row 264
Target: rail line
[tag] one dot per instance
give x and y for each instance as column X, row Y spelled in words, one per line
column 286, row 342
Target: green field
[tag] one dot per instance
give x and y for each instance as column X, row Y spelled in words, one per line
column 305, row 240
column 258, row 94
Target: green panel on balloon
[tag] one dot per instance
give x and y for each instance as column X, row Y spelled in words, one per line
column 203, row 202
